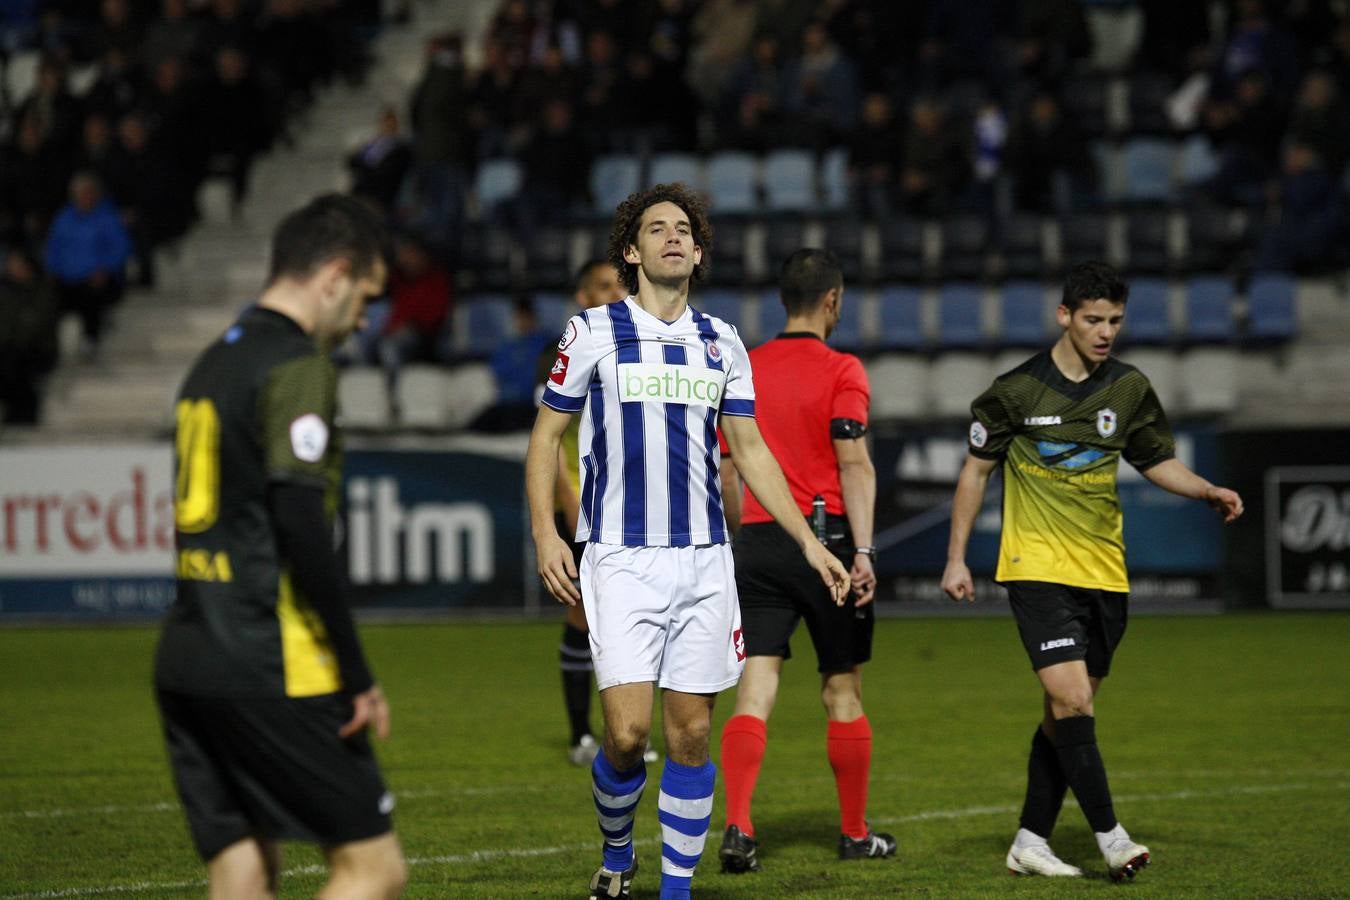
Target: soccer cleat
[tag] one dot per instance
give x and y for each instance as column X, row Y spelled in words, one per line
column 1124, row 858
column 583, row 752
column 875, row 846
column 607, row 885
column 738, row 852
column 1039, row 859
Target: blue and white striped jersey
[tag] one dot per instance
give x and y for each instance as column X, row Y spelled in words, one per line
column 650, row 393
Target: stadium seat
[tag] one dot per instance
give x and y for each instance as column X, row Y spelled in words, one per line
column 902, row 249
column 772, row 315
column 726, row 305
column 965, row 247
column 1209, row 380
column 1160, row 368
column 844, row 238
column 487, row 257
column 1084, row 236
column 733, row 182
column 613, row 177
column 553, row 309
column 472, row 390
column 901, row 318
column 726, row 264
column 1271, row 308
column 782, row 236
column 899, row 385
column 363, row 398
column 834, row 181
column 549, row 257
column 423, row 394
column 1147, row 165
column 1209, row 309
column 1197, row 163
column 685, row 168
column 497, row 180
column 1022, row 245
column 1085, row 101
column 1023, row 305
column 959, row 316
column 1147, row 317
column 1213, row 234
column 1148, row 240
column 790, row 180
column 487, row 323
column 1111, row 176
column 955, row 379
column 848, row 333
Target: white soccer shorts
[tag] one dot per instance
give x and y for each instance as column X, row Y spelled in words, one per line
column 663, row 614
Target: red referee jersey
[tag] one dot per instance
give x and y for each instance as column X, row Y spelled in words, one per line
column 800, row 385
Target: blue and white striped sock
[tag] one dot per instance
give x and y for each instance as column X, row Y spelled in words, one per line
column 616, row 799
column 685, row 809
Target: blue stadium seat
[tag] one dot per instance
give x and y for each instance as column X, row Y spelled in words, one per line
column 613, row 177
column 488, row 321
column 1146, row 317
column 1148, row 164
column 834, row 181
column 848, row 333
column 959, row 318
column 552, row 310
column 1209, row 309
column 1271, row 306
column 685, row 168
column 1198, row 163
column 790, row 180
column 733, row 182
column 1023, row 312
column 901, row 319
column 497, row 180
column 724, row 304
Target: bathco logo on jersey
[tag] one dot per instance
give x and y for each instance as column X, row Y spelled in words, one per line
column 666, row 383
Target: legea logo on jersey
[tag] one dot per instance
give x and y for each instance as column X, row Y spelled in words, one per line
column 389, row 543
column 666, row 383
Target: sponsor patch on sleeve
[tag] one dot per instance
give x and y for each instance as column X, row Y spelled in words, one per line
column 569, row 336
column 558, row 374
column 309, row 438
column 978, row 435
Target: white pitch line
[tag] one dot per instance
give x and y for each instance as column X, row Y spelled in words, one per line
column 478, row 856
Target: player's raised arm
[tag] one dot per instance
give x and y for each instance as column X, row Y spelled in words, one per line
column 553, row 554
column 970, row 488
column 765, row 479
column 1173, row 475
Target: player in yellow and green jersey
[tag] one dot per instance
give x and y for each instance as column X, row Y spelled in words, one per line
column 1058, row 425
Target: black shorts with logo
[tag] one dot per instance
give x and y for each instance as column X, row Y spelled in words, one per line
column 272, row 768
column 1059, row 623
column 777, row 588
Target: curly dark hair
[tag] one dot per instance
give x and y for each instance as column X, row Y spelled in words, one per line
column 628, row 217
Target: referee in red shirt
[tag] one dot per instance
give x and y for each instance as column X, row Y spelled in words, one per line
column 811, row 405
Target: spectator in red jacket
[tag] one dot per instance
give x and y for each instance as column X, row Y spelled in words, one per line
column 422, row 296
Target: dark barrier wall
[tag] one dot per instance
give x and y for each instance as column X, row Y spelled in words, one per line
column 1174, row 547
column 1295, row 549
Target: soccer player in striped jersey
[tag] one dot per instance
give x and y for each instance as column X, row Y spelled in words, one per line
column 652, row 376
column 1058, row 425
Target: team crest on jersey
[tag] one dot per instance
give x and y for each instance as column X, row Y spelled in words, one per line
column 558, row 374
column 569, row 335
column 714, row 352
column 1106, row 422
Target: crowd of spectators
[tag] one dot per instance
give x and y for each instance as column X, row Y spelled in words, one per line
column 172, row 92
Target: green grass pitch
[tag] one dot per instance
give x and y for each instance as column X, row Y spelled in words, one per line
column 1226, row 740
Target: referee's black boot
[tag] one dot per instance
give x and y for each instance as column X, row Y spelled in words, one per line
column 875, row 846
column 738, row 852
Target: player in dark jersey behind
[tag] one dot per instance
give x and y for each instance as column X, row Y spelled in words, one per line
column 1058, row 425
column 814, row 418
column 264, row 692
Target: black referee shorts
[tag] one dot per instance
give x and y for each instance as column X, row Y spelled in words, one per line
column 272, row 768
column 1059, row 623
column 777, row 588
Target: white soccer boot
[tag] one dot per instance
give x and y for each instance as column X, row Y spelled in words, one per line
column 1124, row 858
column 1039, row 859
column 583, row 752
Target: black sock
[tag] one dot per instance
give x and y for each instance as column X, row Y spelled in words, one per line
column 1076, row 744
column 574, row 658
column 1045, row 787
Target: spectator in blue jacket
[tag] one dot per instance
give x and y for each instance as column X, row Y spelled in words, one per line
column 86, row 253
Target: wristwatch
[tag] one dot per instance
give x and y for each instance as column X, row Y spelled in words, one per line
column 869, row 552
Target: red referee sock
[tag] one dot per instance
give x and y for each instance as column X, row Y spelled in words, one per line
column 743, row 740
column 849, row 745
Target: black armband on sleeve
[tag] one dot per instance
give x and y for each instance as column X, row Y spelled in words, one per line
column 847, row 429
column 306, row 544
